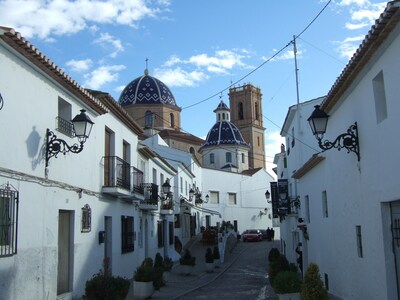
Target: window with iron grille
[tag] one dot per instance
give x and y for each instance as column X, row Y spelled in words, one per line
column 127, row 244
column 160, row 234
column 86, row 218
column 64, row 123
column 8, row 220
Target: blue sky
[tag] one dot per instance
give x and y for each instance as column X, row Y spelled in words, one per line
column 199, row 47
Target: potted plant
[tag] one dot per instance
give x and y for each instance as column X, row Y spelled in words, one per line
column 187, row 262
column 168, row 264
column 143, row 279
column 158, row 270
column 104, row 286
column 209, row 260
column 313, row 287
column 216, row 255
column 287, row 285
column 278, row 264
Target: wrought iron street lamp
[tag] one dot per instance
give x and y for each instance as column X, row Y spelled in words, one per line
column 349, row 140
column 166, row 187
column 82, row 126
column 268, row 196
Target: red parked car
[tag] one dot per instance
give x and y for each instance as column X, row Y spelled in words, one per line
column 252, row 235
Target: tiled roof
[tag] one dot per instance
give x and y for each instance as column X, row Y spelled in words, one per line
column 375, row 37
column 224, row 133
column 168, row 133
column 30, row 52
column 146, row 90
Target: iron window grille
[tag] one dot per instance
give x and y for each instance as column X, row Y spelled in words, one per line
column 127, row 241
column 65, row 127
column 9, row 199
column 86, row 218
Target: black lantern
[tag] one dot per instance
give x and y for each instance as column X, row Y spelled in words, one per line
column 82, row 126
column 268, row 196
column 166, row 187
column 349, row 140
column 207, row 198
column 191, row 194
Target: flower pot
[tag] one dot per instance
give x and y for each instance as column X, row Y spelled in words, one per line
column 186, row 269
column 291, row 296
column 210, row 267
column 166, row 275
column 142, row 290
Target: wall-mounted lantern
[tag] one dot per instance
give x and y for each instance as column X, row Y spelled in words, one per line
column 82, row 126
column 349, row 140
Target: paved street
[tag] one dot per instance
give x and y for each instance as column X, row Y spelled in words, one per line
column 243, row 275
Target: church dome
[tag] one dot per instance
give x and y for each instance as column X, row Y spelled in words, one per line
column 224, row 133
column 146, row 90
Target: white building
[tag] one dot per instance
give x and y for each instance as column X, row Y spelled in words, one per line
column 350, row 203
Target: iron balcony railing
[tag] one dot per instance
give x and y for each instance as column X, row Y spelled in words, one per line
column 137, row 181
column 117, row 172
column 150, row 194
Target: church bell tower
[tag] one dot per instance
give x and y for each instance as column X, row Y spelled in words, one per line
column 246, row 114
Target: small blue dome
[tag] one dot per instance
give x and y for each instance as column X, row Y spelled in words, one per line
column 224, row 133
column 146, row 90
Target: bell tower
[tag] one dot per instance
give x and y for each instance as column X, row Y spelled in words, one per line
column 246, row 113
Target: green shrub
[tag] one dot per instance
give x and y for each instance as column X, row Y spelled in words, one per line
column 286, row 282
column 187, row 259
column 209, row 256
column 313, row 287
column 159, row 270
column 273, row 254
column 168, row 264
column 276, row 266
column 105, row 287
column 145, row 272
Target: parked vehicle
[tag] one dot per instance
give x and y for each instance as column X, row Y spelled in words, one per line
column 252, row 235
column 264, row 234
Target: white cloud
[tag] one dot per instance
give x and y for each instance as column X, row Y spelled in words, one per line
column 179, row 77
column 102, row 75
column 79, row 65
column 348, row 46
column 60, row 17
column 106, row 40
column 352, row 26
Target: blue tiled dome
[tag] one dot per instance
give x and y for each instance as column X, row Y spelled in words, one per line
column 146, row 90
column 224, row 133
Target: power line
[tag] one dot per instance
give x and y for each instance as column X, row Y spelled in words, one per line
column 262, row 64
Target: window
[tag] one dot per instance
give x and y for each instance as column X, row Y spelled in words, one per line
column 232, row 198
column 258, row 141
column 8, row 221
column 127, row 244
column 223, row 116
column 64, row 123
column 212, row 158
column 240, row 111
column 324, row 204
column 326, row 281
column 181, row 182
column 378, row 85
column 172, row 120
column 307, row 203
column 243, row 160
column 359, row 241
column 160, row 234
column 214, row 197
column 148, row 119
column 86, row 218
column 192, row 151
column 154, row 176
column 140, row 240
column 293, row 138
column 161, row 179
column 228, row 157
column 256, row 111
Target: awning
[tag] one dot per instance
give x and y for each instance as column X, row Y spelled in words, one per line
column 202, row 209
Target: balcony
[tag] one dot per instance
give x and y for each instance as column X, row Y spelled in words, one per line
column 167, row 207
column 117, row 177
column 150, row 201
column 137, row 181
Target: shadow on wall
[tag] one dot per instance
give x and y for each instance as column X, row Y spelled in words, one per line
column 32, row 145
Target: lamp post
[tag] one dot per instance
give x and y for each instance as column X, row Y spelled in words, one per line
column 166, row 195
column 82, row 126
column 349, row 140
column 268, row 196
